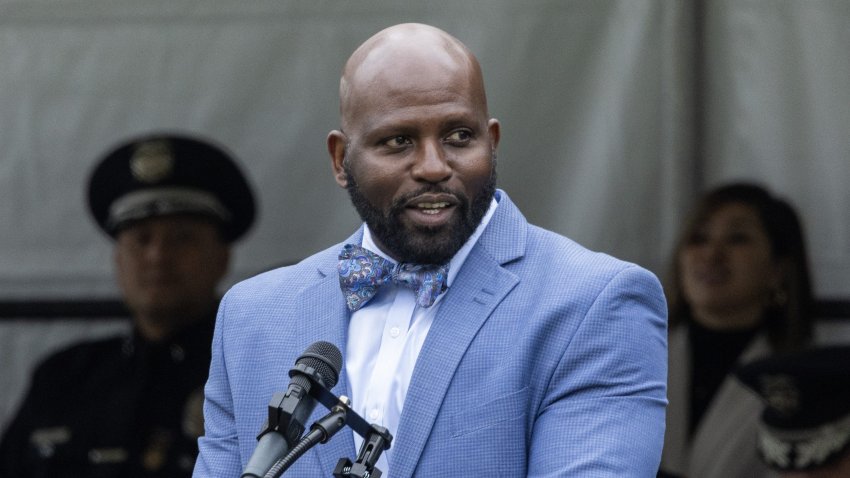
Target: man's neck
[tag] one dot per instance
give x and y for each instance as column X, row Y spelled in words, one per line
column 161, row 329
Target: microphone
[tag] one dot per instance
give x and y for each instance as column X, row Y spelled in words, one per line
column 320, row 432
column 290, row 410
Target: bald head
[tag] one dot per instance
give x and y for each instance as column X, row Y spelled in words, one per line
column 417, row 150
column 407, row 57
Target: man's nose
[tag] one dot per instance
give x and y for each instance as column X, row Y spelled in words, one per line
column 158, row 249
column 432, row 163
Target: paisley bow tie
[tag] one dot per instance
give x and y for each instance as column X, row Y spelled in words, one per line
column 362, row 273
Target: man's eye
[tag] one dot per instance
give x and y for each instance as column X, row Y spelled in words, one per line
column 140, row 237
column 398, row 141
column 460, row 136
column 183, row 237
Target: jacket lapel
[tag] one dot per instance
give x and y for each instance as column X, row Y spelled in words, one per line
column 328, row 321
column 480, row 286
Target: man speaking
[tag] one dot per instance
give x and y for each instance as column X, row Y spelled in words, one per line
column 485, row 345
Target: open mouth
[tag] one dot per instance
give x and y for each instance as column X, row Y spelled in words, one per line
column 431, row 209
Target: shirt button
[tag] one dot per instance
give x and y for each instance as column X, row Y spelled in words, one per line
column 374, row 414
column 394, row 332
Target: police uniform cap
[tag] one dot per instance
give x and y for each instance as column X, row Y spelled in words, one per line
column 170, row 173
column 806, row 420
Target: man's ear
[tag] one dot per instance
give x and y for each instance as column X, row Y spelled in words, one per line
column 495, row 132
column 337, row 142
column 224, row 263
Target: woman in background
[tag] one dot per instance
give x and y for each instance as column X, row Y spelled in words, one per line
column 741, row 290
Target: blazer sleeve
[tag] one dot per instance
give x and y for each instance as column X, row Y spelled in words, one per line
column 603, row 412
column 219, row 447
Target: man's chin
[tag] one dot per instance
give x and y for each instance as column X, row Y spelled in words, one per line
column 431, row 245
column 165, row 305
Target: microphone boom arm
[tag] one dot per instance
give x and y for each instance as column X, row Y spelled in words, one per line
column 353, row 420
column 376, row 439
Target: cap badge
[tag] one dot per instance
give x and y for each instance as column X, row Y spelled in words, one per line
column 152, row 161
column 781, row 392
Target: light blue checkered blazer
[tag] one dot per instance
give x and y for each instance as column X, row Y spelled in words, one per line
column 545, row 359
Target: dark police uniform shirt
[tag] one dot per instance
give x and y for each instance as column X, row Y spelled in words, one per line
column 116, row 407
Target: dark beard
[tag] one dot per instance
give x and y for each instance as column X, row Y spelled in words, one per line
column 423, row 245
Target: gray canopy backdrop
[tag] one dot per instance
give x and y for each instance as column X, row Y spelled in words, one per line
column 615, row 115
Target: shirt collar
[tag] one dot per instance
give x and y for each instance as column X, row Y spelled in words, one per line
column 458, row 259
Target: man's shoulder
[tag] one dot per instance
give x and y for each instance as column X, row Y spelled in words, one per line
column 290, row 277
column 556, row 259
column 538, row 248
column 557, row 249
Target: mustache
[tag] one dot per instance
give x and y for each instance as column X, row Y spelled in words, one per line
column 398, row 204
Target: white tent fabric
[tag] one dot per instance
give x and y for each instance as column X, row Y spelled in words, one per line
column 778, row 110
column 607, row 133
column 592, row 96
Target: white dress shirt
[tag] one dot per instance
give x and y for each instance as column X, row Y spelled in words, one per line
column 379, row 365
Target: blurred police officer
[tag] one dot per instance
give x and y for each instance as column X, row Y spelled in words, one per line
column 804, row 430
column 132, row 407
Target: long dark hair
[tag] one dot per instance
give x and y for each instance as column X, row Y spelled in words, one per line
column 788, row 317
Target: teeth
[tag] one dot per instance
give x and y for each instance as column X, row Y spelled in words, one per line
column 432, row 205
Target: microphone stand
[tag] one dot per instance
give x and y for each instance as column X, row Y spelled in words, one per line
column 376, row 439
column 374, row 443
column 289, row 411
column 320, row 432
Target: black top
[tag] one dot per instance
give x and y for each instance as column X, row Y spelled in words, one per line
column 713, row 356
column 115, row 407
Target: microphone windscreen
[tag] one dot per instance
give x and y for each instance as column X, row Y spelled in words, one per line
column 326, row 359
